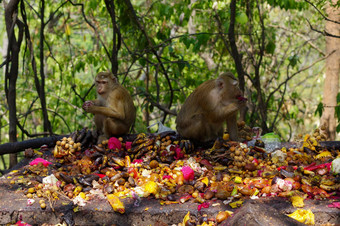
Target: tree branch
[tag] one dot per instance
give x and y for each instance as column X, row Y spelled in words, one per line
column 325, row 33
column 296, row 73
column 326, row 18
column 153, row 50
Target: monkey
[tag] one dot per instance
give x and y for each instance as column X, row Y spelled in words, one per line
column 204, row 112
column 114, row 111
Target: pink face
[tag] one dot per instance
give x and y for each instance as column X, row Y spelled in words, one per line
column 101, row 85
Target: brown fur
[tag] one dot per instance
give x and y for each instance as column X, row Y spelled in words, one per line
column 114, row 111
column 204, row 112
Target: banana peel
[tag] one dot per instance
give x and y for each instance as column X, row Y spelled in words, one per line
column 116, row 204
column 297, row 201
column 303, row 216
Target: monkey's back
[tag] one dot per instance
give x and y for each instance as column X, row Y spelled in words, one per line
column 123, row 95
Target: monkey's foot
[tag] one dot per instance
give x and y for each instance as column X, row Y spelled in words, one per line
column 101, row 138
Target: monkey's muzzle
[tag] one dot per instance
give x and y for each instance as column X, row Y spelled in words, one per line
column 241, row 98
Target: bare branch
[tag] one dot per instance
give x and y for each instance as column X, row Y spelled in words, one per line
column 91, row 25
column 296, row 73
column 302, row 36
column 326, row 18
column 160, row 107
column 153, row 50
column 325, row 33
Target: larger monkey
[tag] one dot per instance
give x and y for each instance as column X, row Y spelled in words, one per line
column 114, row 111
column 204, row 112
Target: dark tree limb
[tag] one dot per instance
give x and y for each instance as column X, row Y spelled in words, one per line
column 16, row 147
column 116, row 36
column 41, row 88
column 234, row 51
column 11, row 72
column 325, row 33
column 157, row 105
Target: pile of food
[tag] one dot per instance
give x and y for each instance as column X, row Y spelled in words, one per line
column 164, row 167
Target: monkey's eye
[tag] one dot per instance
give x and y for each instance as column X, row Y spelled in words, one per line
column 101, row 82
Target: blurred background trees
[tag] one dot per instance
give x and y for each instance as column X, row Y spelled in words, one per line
column 160, row 51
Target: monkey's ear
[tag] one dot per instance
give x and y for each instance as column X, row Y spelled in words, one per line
column 220, row 83
column 114, row 79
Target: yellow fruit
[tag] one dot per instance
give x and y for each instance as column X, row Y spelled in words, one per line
column 116, row 204
column 151, row 187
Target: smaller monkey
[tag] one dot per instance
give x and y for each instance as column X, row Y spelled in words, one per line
column 204, row 112
column 114, row 111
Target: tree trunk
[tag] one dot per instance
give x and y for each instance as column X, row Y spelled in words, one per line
column 42, row 95
column 331, row 85
column 11, row 74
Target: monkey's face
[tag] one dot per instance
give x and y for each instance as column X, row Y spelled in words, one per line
column 102, row 85
column 231, row 88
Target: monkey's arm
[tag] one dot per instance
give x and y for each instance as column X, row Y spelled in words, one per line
column 108, row 112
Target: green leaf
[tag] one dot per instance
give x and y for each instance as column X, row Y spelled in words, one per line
column 293, row 60
column 337, row 111
column 319, row 109
column 226, row 26
column 270, row 47
column 338, row 98
column 338, row 128
column 160, row 35
column 187, row 41
column 142, row 62
column 181, row 65
column 197, row 47
column 295, row 95
column 203, row 39
column 151, row 107
column 241, row 18
column 293, row 112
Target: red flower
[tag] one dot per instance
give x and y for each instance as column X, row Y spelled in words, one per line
column 167, row 177
column 128, row 145
column 114, row 143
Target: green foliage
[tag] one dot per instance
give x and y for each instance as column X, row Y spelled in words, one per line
column 75, row 52
column 319, row 109
column 288, row 4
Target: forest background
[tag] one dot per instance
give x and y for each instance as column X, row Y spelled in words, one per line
column 285, row 53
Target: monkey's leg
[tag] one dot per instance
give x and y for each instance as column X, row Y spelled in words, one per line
column 99, row 122
column 195, row 128
column 232, row 126
column 114, row 127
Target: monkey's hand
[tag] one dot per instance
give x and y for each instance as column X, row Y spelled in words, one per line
column 87, row 105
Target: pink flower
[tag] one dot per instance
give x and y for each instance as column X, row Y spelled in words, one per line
column 22, row 223
column 203, row 205
column 40, row 160
column 114, row 143
column 179, row 154
column 188, row 173
column 128, row 145
column 137, row 161
column 334, row 205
